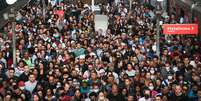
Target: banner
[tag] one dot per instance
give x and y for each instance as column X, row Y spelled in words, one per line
column 172, row 29
column 101, row 23
column 60, row 13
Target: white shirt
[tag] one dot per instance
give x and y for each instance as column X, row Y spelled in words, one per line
column 29, row 86
column 130, row 73
column 143, row 99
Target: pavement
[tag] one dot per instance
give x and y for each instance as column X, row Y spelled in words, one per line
column 17, row 5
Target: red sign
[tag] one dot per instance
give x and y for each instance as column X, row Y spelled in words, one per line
column 180, row 29
column 60, row 13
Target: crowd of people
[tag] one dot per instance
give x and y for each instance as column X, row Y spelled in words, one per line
column 63, row 58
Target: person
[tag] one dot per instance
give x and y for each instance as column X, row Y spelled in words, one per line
column 101, row 97
column 147, row 96
column 130, row 98
column 7, row 97
column 77, row 96
column 193, row 93
column 31, row 84
column 36, row 97
column 115, row 95
column 93, row 96
column 63, row 56
column 158, row 98
column 10, row 75
column 178, row 94
column 3, row 60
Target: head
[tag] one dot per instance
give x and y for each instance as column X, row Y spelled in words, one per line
column 130, row 98
column 36, row 97
column 151, row 86
column 186, row 60
column 127, row 82
column 147, row 93
column 77, row 93
column 93, row 96
column 11, row 72
column 114, row 89
column 158, row 98
column 178, row 90
column 129, row 67
column 26, row 55
column 32, row 77
column 101, row 96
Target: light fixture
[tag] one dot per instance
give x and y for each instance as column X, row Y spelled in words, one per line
column 10, row 2
column 160, row 0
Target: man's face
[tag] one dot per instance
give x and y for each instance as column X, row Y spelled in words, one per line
column 114, row 89
column 186, row 60
column 26, row 55
column 11, row 73
column 51, row 79
column 32, row 78
column 178, row 90
column 127, row 82
column 165, row 52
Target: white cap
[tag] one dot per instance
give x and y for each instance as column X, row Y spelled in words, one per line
column 82, row 57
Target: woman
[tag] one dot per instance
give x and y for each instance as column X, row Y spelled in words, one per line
column 101, row 97
column 50, row 95
column 77, row 96
column 36, row 97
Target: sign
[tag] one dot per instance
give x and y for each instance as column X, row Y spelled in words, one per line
column 101, row 23
column 60, row 13
column 180, row 29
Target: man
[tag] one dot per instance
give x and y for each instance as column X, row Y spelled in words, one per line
column 31, row 84
column 115, row 95
column 167, row 69
column 147, row 94
column 20, row 68
column 158, row 98
column 27, row 59
column 10, row 74
column 25, row 75
column 178, row 94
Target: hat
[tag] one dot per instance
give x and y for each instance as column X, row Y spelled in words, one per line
column 85, row 81
column 21, row 84
column 82, row 57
